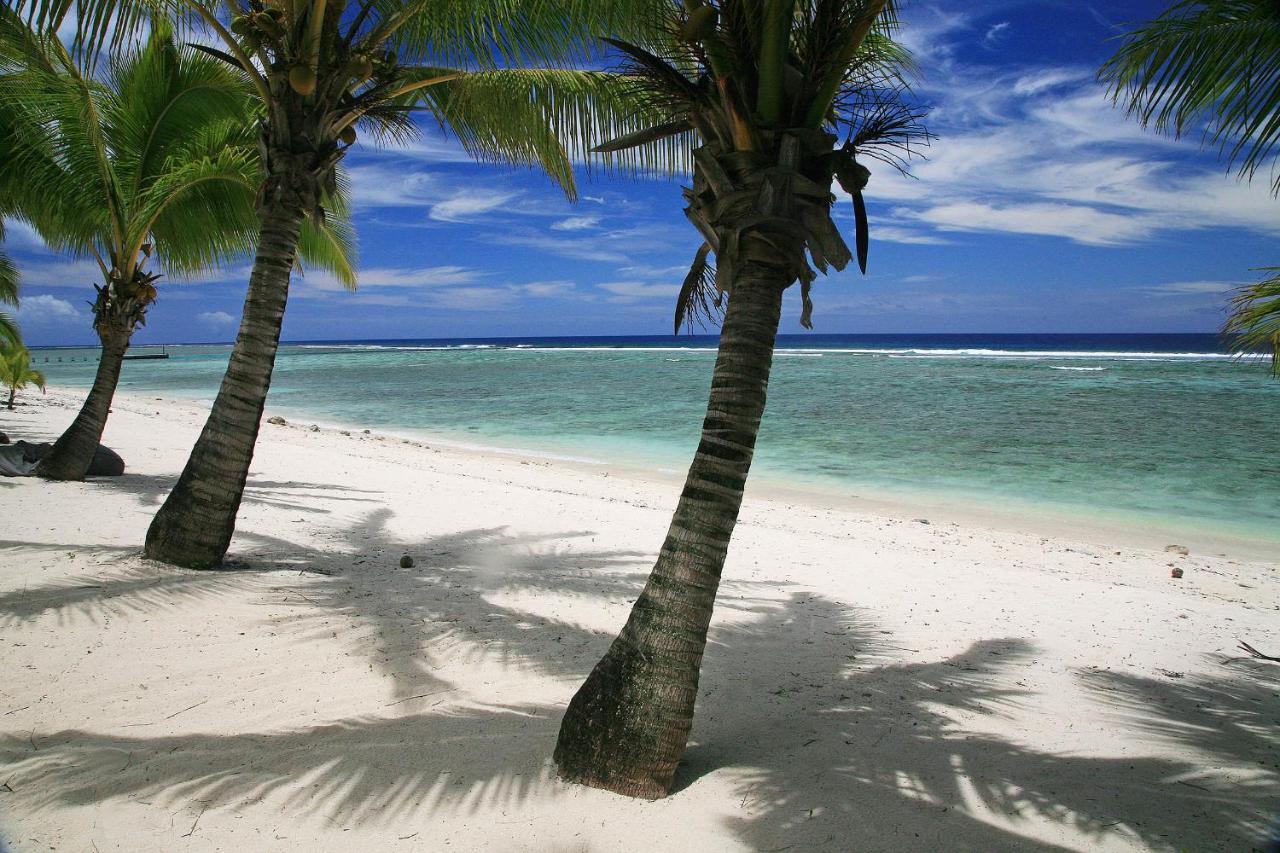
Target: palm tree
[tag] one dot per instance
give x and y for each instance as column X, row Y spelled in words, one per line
column 16, row 372
column 1214, row 64
column 326, row 70
column 765, row 85
column 155, row 161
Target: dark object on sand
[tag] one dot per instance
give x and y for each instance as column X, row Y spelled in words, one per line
column 406, row 562
column 277, row 420
column 1254, row 653
column 20, row 459
column 4, row 439
column 1176, row 573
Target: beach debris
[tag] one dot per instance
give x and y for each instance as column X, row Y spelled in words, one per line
column 1175, row 572
column 1169, row 673
column 921, row 520
column 4, row 439
column 406, row 562
column 277, row 420
column 1254, row 653
column 365, row 431
column 314, row 428
column 1182, row 550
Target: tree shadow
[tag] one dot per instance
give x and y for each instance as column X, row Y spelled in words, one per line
column 806, row 712
column 133, row 590
column 448, row 604
column 833, row 750
column 151, row 490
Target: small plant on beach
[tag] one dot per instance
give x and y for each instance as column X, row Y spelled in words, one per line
column 1213, row 67
column 16, row 372
column 327, row 73
column 152, row 162
column 764, row 87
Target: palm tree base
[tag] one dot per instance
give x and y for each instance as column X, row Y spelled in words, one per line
column 626, row 728
column 169, row 540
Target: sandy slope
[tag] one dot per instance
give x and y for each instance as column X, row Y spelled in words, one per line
column 872, row 683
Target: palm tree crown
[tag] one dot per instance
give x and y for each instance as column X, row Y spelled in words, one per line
column 1215, row 64
column 765, row 91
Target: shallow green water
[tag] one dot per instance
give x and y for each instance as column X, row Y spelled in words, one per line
column 1148, row 440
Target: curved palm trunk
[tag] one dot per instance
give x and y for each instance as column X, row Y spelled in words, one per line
column 626, row 728
column 73, row 452
column 195, row 525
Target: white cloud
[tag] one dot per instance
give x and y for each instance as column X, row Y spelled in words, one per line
column 374, row 278
column 1192, row 288
column 630, row 291
column 216, row 318
column 45, row 310
column 78, row 275
column 576, row 223
column 995, row 34
column 1077, row 222
column 466, row 206
column 1043, row 151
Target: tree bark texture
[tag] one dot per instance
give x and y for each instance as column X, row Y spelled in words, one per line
column 194, row 526
column 627, row 727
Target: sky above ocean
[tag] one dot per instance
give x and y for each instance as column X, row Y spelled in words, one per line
column 1040, row 208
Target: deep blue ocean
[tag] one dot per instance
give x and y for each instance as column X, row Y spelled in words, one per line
column 1142, row 430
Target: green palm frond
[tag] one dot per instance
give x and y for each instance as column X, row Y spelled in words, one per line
column 8, row 275
column 15, row 368
column 549, row 118
column 1254, row 324
column 160, row 151
column 505, row 33
column 1207, row 62
column 331, row 244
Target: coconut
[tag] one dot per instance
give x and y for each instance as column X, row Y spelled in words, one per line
column 348, row 135
column 302, row 79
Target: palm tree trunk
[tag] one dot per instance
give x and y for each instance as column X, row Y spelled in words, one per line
column 626, row 728
column 195, row 525
column 13, row 392
column 72, row 453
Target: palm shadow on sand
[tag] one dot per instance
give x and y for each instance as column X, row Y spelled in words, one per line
column 830, row 737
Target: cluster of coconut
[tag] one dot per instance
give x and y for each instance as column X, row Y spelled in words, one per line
column 257, row 27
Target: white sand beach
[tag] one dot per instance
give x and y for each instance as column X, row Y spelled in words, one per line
column 872, row 682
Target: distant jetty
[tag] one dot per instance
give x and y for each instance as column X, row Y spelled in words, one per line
column 164, row 353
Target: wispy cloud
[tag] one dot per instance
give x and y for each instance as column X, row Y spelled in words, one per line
column 576, row 223
column 469, row 206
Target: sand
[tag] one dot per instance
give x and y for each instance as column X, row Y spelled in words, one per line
column 872, row 682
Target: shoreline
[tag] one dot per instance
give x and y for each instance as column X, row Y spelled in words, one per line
column 1024, row 518
column 913, row 686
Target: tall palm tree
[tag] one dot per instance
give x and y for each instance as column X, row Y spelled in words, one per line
column 324, row 71
column 16, row 372
column 765, row 86
column 1214, row 64
column 155, row 161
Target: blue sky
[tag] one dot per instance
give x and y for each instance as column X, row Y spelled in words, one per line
column 1040, row 209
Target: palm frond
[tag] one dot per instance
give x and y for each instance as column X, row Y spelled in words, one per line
column 698, row 300
column 1207, row 62
column 1254, row 324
